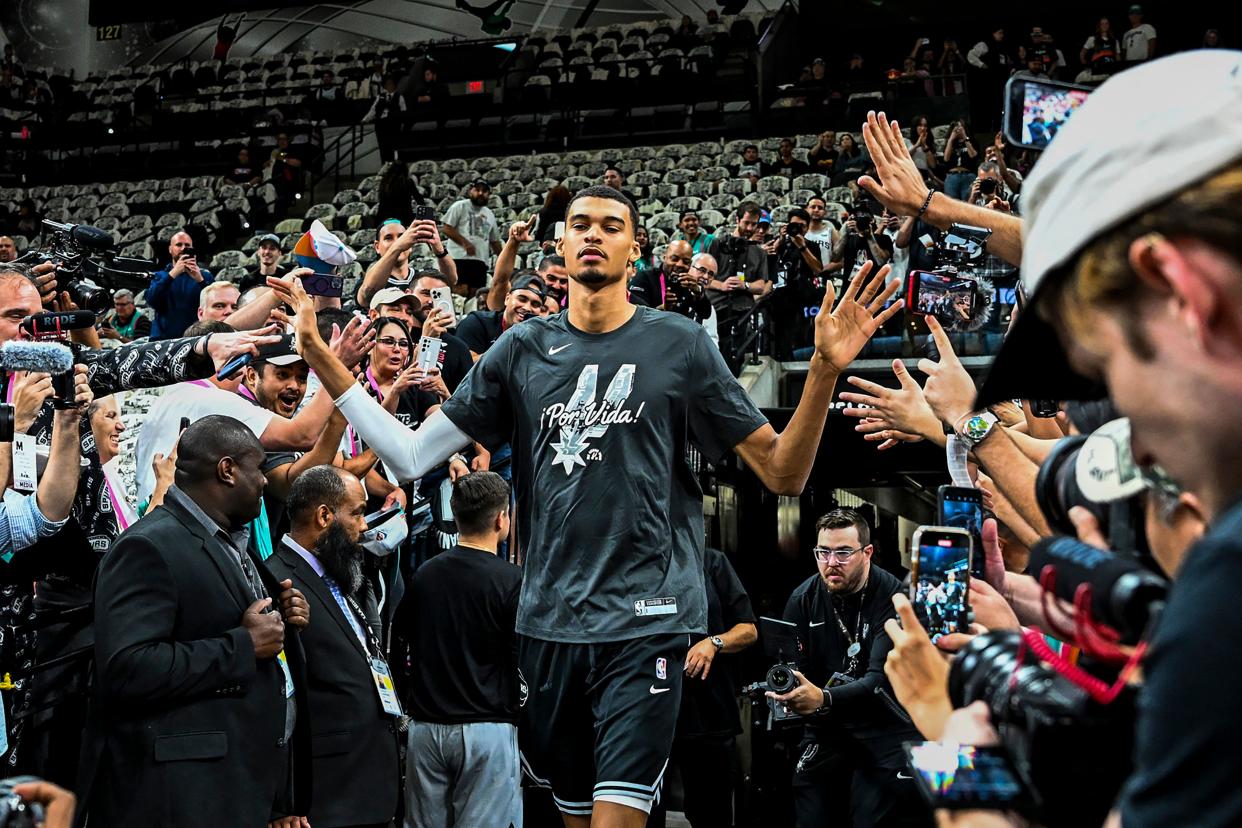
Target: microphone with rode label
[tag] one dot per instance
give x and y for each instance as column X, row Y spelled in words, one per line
column 45, row 326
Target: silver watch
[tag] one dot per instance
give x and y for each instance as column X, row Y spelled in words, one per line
column 718, row 641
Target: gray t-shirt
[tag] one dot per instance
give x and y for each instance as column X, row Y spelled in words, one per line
column 610, row 515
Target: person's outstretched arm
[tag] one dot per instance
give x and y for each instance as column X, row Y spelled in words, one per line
column 407, row 454
column 899, row 187
column 519, row 232
column 783, row 461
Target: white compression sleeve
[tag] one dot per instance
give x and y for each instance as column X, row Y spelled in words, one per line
column 407, row 454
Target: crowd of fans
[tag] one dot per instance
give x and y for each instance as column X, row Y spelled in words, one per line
column 351, row 547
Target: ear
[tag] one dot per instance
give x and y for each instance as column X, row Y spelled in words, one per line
column 226, row 471
column 323, row 516
column 1171, row 269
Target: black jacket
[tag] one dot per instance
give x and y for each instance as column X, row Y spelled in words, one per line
column 186, row 726
column 864, row 714
column 353, row 741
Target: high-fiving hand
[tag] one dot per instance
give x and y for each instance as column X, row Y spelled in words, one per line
column 841, row 332
column 949, row 389
column 898, row 184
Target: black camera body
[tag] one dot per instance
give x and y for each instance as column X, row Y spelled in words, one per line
column 1051, row 728
column 779, row 679
column 14, row 812
column 87, row 264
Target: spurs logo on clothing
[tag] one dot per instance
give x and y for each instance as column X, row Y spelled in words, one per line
column 583, row 418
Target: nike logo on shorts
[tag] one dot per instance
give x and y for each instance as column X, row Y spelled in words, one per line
column 558, row 349
column 655, row 692
column 817, row 623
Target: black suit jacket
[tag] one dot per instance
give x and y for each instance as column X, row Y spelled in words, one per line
column 353, row 741
column 186, row 726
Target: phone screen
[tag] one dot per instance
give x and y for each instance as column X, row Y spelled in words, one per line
column 940, row 583
column 961, row 776
column 948, row 298
column 962, row 508
column 1038, row 109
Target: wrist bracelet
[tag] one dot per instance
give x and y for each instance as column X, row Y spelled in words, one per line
column 926, row 203
column 443, row 252
column 205, row 340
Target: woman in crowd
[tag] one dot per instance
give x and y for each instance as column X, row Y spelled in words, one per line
column 962, row 158
column 646, row 261
column 555, row 203
column 398, row 194
column 924, row 150
column 104, row 414
column 1101, row 49
column 852, row 160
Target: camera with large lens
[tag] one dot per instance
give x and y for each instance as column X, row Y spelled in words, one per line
column 952, row 290
column 1072, row 752
column 87, row 264
column 780, row 642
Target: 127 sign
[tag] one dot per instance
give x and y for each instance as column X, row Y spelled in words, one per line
column 108, row 32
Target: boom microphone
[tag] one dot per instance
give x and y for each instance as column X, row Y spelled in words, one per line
column 1124, row 594
column 92, row 237
column 43, row 358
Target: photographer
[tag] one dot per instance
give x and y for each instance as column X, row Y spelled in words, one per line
column 173, row 294
column 651, row 287
column 796, row 258
column 859, row 241
column 741, row 273
column 27, row 519
column 854, row 725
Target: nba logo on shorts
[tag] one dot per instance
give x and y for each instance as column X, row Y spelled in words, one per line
column 661, row 668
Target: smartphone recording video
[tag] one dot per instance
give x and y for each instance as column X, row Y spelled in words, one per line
column 940, row 579
column 423, row 212
column 442, row 300
column 962, row 508
column 949, row 298
column 1036, row 109
column 961, row 776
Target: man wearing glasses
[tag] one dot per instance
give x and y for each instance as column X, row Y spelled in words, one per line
column 854, row 725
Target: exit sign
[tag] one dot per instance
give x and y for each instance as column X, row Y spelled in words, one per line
column 474, row 87
column 108, row 32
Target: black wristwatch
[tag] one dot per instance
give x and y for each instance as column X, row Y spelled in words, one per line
column 442, row 253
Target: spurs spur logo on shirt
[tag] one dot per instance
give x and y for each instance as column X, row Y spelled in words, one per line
column 584, row 418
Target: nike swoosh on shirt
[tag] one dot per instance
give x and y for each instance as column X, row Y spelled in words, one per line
column 653, row 691
column 817, row 623
column 558, row 349
column 901, row 775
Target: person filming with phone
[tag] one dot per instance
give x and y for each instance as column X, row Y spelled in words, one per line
column 853, row 723
column 173, row 294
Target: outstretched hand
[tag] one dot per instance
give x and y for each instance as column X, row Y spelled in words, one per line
column 353, row 343
column 841, row 332
column 949, row 389
column 291, row 293
column 917, row 671
column 899, row 185
column 903, row 409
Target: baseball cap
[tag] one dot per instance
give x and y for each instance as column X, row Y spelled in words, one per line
column 481, row 183
column 1105, row 469
column 269, row 238
column 765, row 217
column 1122, row 152
column 529, row 282
column 391, row 296
column 281, row 352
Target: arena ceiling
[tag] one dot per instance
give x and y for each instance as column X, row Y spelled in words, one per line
column 330, row 26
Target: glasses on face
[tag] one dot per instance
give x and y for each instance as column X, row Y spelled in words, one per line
column 699, row 268
column 824, row 554
column 390, row 342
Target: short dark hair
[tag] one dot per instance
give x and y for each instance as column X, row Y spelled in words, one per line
column 817, row 197
column 208, row 326
column 552, row 261
column 844, row 519
column 206, row 442
column 604, row 191
column 619, row 171
column 754, row 147
column 318, row 485
column 746, row 208
column 326, row 318
column 477, row 498
column 798, row 212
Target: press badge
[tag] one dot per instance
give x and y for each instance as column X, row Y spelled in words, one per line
column 383, row 684
column 655, row 606
column 284, row 666
column 25, row 463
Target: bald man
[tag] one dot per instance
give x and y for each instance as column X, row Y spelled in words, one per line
column 651, row 287
column 174, row 291
column 8, row 249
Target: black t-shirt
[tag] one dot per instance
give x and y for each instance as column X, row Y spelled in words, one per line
column 459, row 616
column 242, row 174
column 254, row 279
column 793, row 169
column 860, row 716
column 709, row 706
column 1189, row 725
column 610, row 512
column 455, row 361
column 480, row 329
column 645, row 288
